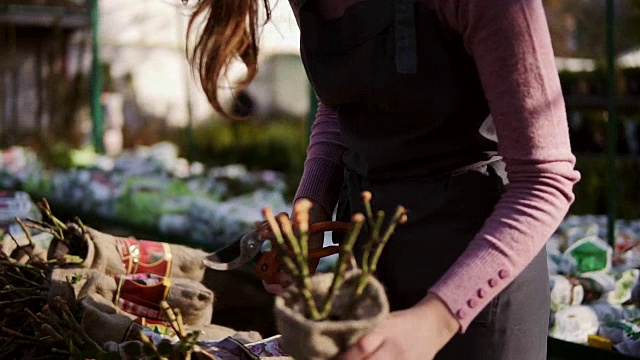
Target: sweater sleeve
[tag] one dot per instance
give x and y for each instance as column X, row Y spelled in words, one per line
column 323, row 169
column 510, row 42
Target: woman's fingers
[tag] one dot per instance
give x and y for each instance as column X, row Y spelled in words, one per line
column 369, row 346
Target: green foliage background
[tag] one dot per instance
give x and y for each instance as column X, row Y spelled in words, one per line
column 281, row 145
column 276, row 145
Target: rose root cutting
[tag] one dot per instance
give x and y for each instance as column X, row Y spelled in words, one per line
column 293, row 248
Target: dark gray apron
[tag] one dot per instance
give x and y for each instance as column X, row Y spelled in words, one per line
column 410, row 106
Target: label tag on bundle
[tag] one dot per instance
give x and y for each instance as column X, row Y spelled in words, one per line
column 143, row 256
column 141, row 294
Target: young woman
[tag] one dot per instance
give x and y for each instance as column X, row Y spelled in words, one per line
column 423, row 103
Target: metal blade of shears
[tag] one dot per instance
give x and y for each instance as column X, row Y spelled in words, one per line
column 248, row 247
column 239, row 252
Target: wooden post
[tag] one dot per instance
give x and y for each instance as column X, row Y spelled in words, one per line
column 612, row 126
column 96, row 82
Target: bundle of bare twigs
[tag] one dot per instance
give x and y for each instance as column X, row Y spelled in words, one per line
column 71, row 235
column 31, row 327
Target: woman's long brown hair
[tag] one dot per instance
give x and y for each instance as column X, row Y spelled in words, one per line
column 229, row 32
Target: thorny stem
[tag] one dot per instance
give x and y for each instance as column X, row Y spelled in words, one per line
column 20, row 247
column 304, row 243
column 294, row 244
column 47, row 209
column 188, row 341
column 38, row 222
column 378, row 225
column 179, row 320
column 44, row 229
column 398, row 217
column 375, row 234
column 301, row 217
column 366, row 199
column 302, row 264
column 27, row 233
column 302, row 283
column 175, row 320
column 281, row 246
column 343, row 259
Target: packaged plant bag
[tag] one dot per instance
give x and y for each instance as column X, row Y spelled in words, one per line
column 138, row 294
column 117, row 255
column 591, row 254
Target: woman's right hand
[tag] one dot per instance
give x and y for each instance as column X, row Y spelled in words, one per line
column 316, row 241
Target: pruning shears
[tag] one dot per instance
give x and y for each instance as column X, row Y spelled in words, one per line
column 268, row 266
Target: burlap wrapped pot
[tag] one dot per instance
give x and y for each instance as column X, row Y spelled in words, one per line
column 193, row 299
column 116, row 255
column 349, row 319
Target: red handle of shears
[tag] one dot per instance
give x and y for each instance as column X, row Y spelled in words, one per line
column 269, row 267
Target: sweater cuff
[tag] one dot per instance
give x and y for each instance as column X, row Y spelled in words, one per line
column 467, row 289
column 321, row 182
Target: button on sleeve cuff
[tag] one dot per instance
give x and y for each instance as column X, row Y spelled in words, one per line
column 467, row 293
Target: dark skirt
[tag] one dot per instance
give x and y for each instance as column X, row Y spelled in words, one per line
column 444, row 216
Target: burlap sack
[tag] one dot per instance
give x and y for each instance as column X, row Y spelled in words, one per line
column 74, row 284
column 104, row 322
column 192, row 298
column 21, row 251
column 307, row 339
column 103, row 252
column 210, row 332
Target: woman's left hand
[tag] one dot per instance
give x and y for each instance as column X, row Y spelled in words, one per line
column 415, row 333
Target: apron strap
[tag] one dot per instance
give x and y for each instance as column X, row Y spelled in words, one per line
column 406, row 49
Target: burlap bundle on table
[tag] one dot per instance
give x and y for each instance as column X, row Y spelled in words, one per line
column 193, row 299
column 116, row 255
column 106, row 323
column 21, row 250
column 349, row 320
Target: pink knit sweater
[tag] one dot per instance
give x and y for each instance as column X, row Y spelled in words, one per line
column 509, row 40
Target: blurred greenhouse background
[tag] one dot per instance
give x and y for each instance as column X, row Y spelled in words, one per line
column 51, row 104
column 101, row 114
column 148, row 94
